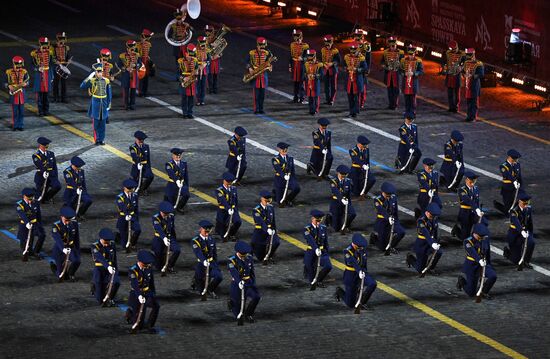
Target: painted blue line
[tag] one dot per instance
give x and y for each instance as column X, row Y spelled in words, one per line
column 377, row 164
column 14, row 237
column 168, row 75
column 341, row 149
column 268, row 119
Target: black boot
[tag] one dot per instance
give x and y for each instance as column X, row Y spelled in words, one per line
column 411, row 260
column 460, row 283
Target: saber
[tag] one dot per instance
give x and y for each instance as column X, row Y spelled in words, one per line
column 324, row 164
column 65, row 266
column 430, row 262
column 390, row 239
column 345, row 217
column 358, row 303
column 285, row 192
column 109, row 289
column 238, row 172
column 139, row 179
column 27, row 244
column 140, row 314
column 523, row 251
column 240, row 318
column 229, row 224
column 408, row 161
column 129, row 233
column 515, row 198
column 163, row 270
column 314, row 282
column 206, row 282
column 178, row 198
column 456, row 176
column 269, row 248
column 78, row 202
column 365, row 184
column 481, row 283
column 43, row 189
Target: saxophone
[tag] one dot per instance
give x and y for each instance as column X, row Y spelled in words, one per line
column 219, row 44
column 17, row 88
column 188, row 80
column 409, row 72
column 259, row 70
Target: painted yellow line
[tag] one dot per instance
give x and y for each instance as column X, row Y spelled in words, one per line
column 383, row 287
column 73, row 40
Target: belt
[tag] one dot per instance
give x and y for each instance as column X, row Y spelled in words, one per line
column 317, row 147
column 221, row 207
column 423, row 190
column 356, row 165
column 403, row 142
column 463, row 206
column 448, row 159
column 98, row 96
column 246, row 277
column 512, row 226
column 421, row 237
column 258, row 227
column 320, row 247
column 470, row 258
column 380, row 216
column 350, row 268
column 506, row 181
column 70, row 187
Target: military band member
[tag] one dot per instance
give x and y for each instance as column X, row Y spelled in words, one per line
column 17, row 78
column 142, row 293
column 42, row 59
column 360, row 168
column 165, row 244
column 178, row 32
column 313, row 72
column 104, row 57
column 76, row 192
column 243, row 283
column 228, row 220
column 452, row 168
column 391, row 62
column 188, row 68
column 356, row 66
column 452, row 64
column 66, row 247
column 408, row 151
column 355, row 259
column 321, row 158
column 100, row 90
column 177, row 188
column 521, row 242
column 204, row 248
column 285, row 183
column 296, row 64
column 427, row 248
column 129, row 62
column 387, row 226
column 265, row 240
column 316, row 258
column 512, row 182
column 341, row 209
column 473, row 71
column 30, row 225
column 141, row 171
column 428, row 181
column 203, row 58
column 257, row 59
column 236, row 159
column 365, row 50
column 128, row 226
column 144, row 50
column 478, row 255
column 61, row 57
column 411, row 68
column 214, row 72
column 330, row 57
column 45, row 178
column 105, row 269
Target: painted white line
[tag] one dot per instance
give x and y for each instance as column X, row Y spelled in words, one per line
column 17, row 38
column 373, row 129
column 121, row 30
column 197, row 203
column 66, row 7
column 479, row 170
column 283, row 94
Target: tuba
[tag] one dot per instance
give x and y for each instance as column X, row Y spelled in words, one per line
column 219, row 44
column 259, row 70
column 189, row 34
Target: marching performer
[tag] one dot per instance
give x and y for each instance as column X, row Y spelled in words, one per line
column 144, row 50
column 42, row 59
column 100, row 89
column 265, row 240
column 214, row 72
column 165, row 244
column 76, row 192
column 188, row 68
column 129, row 62
column 285, row 184
column 141, row 171
column 452, row 168
column 428, row 181
column 178, row 32
column 473, row 71
column 260, row 59
column 296, row 64
column 391, row 63
column 105, row 279
column 177, row 188
column 236, row 159
column 66, row 247
column 411, row 68
column 313, row 73
column 365, row 50
column 30, row 225
column 521, row 242
column 203, row 59
column 355, row 68
column 45, row 178
column 408, row 152
column 17, row 78
column 330, row 57
column 228, row 220
column 452, row 64
column 128, row 226
column 204, row 248
column 61, row 57
column 512, row 182
column 104, row 57
column 388, row 231
column 316, row 258
column 360, row 174
column 243, row 284
column 470, row 211
column 341, row 209
column 427, row 247
column 321, row 158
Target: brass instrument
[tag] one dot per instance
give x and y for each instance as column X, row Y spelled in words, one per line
column 249, row 76
column 469, row 68
column 219, row 44
column 17, row 88
column 409, row 72
column 188, row 80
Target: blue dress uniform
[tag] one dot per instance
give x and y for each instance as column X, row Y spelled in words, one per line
column 165, row 236
column 129, row 63
column 264, row 223
column 316, row 237
column 391, row 62
column 360, row 166
column 205, row 250
column 453, row 161
column 426, row 237
column 100, row 89
column 468, row 216
column 313, row 71
column 511, row 177
column 356, row 66
column 142, row 283
column 66, row 237
column 237, row 153
column 228, row 200
column 203, row 58
column 330, row 56
column 104, row 256
column 46, row 171
column 241, row 268
column 42, row 59
column 478, row 252
column 411, row 68
column 355, row 260
column 75, row 180
column 141, row 155
column 341, row 190
column 473, row 73
column 177, row 171
column 321, row 142
column 428, row 183
column 29, row 213
column 128, row 211
column 386, row 208
column 408, row 134
column 17, row 79
column 284, row 166
column 521, row 230
column 258, row 58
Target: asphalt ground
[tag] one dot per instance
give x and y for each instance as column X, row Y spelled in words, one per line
column 410, row 316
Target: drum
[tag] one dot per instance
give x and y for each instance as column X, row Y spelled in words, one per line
column 62, row 71
column 141, row 72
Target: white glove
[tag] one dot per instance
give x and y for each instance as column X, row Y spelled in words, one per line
column 482, row 262
column 524, row 234
column 79, row 191
column 66, row 251
column 45, row 174
column 344, row 201
column 411, row 150
column 479, row 212
column 287, row 177
column 239, row 157
column 318, row 252
column 391, row 220
column 230, row 211
column 324, row 150
column 431, row 193
column 111, row 269
column 362, row 274
column 28, row 225
column 179, row 183
column 436, row 246
column 241, row 284
column 516, row 184
column 205, row 263
column 365, row 167
column 139, row 166
column 270, row 231
column 141, row 299
column 458, row 164
column 128, row 217
column 166, row 241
